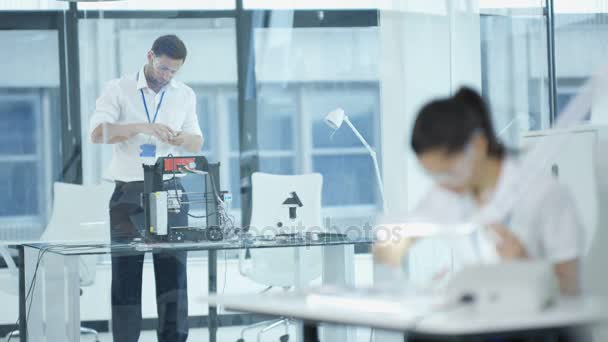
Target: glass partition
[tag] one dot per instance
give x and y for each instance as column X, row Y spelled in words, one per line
column 305, row 68
column 378, row 61
column 427, row 50
column 111, row 48
column 114, row 42
column 514, row 66
column 580, row 42
column 31, row 5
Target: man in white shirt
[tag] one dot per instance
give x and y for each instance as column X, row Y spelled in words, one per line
column 143, row 115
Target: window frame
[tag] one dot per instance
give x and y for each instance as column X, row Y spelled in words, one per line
column 39, row 100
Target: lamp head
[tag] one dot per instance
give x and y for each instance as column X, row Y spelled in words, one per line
column 335, row 118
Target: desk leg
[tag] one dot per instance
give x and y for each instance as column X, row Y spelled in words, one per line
column 62, row 297
column 311, row 332
column 212, row 275
column 338, row 270
column 383, row 275
column 22, row 312
column 32, row 306
column 299, row 285
column 73, row 296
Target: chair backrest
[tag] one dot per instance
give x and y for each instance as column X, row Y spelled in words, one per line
column 9, row 276
column 270, row 216
column 80, row 213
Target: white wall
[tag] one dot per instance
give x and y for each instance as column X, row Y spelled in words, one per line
column 37, row 64
column 580, row 49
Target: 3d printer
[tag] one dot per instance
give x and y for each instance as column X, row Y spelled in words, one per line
column 158, row 201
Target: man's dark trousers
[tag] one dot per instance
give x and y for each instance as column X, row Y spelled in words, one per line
column 127, row 221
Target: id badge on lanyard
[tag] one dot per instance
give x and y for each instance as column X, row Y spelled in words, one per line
column 149, row 150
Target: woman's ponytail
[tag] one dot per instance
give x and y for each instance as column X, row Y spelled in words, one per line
column 478, row 106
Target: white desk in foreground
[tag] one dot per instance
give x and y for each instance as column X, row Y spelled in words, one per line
column 418, row 316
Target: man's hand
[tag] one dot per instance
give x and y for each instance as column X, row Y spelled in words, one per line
column 190, row 142
column 509, row 247
column 108, row 133
column 178, row 139
column 163, row 132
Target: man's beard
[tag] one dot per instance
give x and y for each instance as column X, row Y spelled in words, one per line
column 159, row 84
column 153, row 81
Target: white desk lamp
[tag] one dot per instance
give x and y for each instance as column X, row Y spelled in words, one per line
column 334, row 120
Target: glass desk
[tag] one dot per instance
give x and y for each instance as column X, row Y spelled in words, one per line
column 60, row 291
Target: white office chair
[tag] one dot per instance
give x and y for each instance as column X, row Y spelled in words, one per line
column 274, row 206
column 80, row 214
column 8, row 276
column 9, row 279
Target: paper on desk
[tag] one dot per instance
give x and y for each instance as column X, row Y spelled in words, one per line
column 354, row 300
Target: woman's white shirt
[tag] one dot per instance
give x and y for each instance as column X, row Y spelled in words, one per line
column 544, row 218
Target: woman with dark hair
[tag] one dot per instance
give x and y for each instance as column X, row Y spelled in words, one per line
column 455, row 143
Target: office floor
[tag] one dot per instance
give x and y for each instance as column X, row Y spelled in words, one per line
column 230, row 334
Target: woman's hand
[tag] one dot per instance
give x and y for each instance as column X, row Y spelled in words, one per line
column 509, row 247
column 390, row 252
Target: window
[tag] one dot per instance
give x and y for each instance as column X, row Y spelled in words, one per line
column 290, row 119
column 277, row 137
column 32, row 5
column 215, row 119
column 567, row 89
column 303, row 73
column 20, row 150
column 277, row 134
column 30, row 131
column 26, row 165
column 313, row 4
column 580, row 39
column 514, row 68
column 207, row 121
column 581, row 6
column 347, row 168
column 158, row 5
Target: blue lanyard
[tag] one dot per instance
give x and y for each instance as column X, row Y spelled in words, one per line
column 143, row 99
